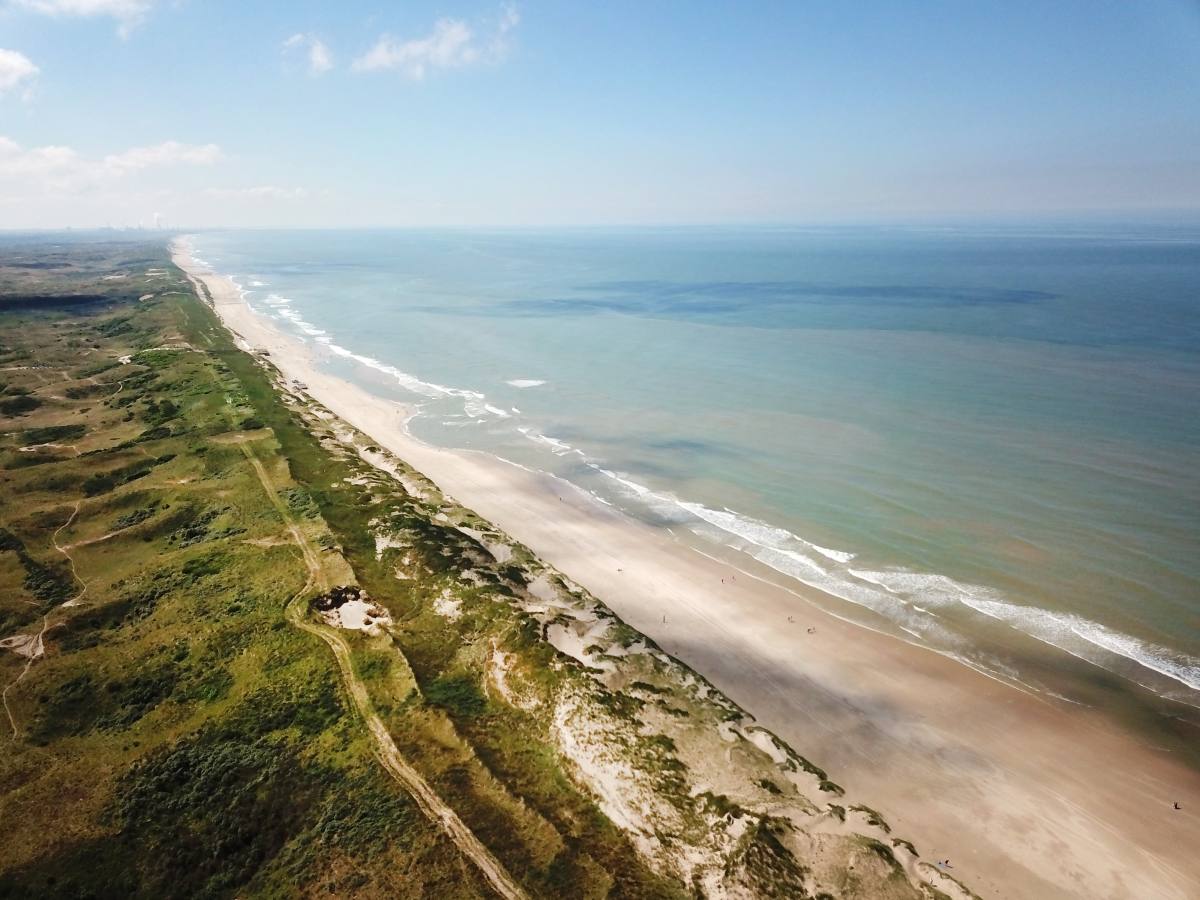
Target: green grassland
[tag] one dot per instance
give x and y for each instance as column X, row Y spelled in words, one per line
column 178, row 738
column 170, row 508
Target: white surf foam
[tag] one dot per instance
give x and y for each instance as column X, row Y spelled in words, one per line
column 559, row 448
column 525, row 382
column 405, row 380
column 1071, row 633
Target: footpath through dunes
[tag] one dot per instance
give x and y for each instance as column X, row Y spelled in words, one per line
column 1028, row 797
column 319, row 579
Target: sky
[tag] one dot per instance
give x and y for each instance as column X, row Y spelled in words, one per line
column 194, row 113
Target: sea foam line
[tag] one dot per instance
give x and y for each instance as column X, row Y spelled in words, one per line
column 895, row 594
column 902, row 595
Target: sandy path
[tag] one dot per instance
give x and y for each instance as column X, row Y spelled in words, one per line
column 427, row 799
column 1027, row 798
column 35, row 648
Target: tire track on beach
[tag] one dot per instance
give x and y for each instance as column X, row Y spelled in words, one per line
column 427, row 799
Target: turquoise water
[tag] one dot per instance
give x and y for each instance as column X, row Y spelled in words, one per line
column 985, row 440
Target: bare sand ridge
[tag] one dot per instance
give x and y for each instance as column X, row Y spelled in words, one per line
column 1025, row 797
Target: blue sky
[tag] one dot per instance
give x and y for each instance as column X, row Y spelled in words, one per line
column 205, row 112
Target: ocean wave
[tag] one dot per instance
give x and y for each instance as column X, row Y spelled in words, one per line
column 475, row 405
column 559, row 448
column 1071, row 633
column 409, row 382
column 1083, row 638
column 525, row 382
column 760, row 533
column 911, row 599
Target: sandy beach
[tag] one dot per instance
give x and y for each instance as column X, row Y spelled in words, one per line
column 1026, row 797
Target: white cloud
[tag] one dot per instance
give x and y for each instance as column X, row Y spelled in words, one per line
column 320, row 59
column 164, row 154
column 260, row 192
column 57, row 168
column 128, row 13
column 452, row 44
column 15, row 69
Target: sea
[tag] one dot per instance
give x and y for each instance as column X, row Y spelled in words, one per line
column 983, row 439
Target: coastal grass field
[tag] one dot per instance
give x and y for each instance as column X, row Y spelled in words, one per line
column 191, row 708
column 176, row 738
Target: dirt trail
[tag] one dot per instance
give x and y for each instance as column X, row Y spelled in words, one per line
column 36, row 647
column 427, row 799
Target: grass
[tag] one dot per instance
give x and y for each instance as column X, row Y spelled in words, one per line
column 178, row 739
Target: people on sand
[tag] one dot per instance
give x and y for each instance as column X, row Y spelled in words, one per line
column 812, row 630
column 1177, row 806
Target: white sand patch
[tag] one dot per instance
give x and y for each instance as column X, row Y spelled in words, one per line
column 145, row 297
column 358, row 615
column 501, row 551
column 574, row 639
column 584, row 744
column 498, row 669
column 766, row 742
column 544, row 589
column 473, row 577
column 387, row 542
column 728, row 732
column 27, row 645
column 125, row 360
column 413, row 487
column 447, row 606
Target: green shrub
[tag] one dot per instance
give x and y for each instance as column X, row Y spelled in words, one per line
column 457, row 695
column 19, row 406
column 53, row 433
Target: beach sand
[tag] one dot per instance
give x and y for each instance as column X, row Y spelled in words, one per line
column 1025, row 796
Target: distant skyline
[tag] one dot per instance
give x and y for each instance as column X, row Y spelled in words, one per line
column 200, row 114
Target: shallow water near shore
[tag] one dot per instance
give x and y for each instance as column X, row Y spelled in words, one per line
column 982, row 440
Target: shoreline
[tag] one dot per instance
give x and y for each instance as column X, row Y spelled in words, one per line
column 1029, row 799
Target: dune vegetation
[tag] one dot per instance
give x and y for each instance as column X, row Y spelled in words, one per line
column 245, row 652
